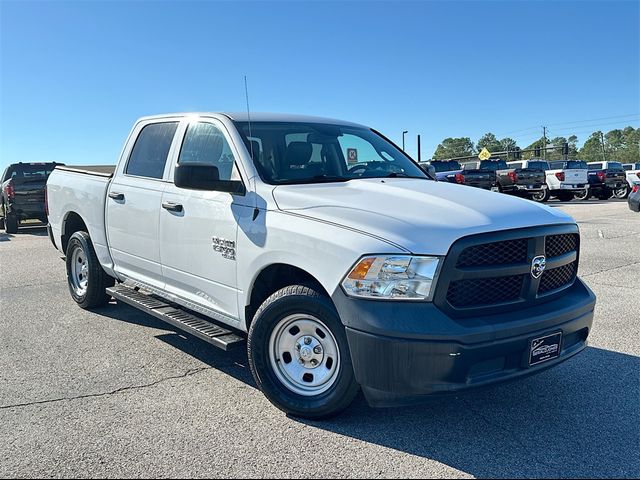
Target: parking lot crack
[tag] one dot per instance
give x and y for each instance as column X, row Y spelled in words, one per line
column 610, row 269
column 188, row 373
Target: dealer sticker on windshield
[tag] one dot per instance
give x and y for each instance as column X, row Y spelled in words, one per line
column 545, row 348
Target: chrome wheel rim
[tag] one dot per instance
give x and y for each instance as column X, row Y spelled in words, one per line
column 581, row 195
column 538, row 196
column 620, row 192
column 304, row 355
column 79, row 274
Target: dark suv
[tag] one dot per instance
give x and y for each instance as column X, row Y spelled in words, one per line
column 23, row 193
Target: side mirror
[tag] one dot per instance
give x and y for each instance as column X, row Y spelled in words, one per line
column 428, row 169
column 204, row 176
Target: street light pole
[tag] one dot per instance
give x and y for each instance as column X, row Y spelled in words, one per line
column 403, row 134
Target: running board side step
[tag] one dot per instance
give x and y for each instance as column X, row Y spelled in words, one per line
column 196, row 326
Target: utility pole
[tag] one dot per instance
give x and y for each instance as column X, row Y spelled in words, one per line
column 544, row 142
column 419, row 148
column 604, row 155
column 403, row 134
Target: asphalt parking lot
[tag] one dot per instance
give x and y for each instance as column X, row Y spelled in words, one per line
column 117, row 393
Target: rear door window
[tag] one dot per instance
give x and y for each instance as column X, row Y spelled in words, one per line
column 595, row 166
column 149, row 154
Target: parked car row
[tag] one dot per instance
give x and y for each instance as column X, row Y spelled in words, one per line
column 541, row 180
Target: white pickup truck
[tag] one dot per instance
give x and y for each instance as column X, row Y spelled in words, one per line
column 330, row 251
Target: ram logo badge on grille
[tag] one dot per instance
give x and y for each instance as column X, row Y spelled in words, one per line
column 538, row 265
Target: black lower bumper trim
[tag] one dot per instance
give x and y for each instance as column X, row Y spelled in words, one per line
column 417, row 358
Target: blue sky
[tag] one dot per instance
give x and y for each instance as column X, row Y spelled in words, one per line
column 75, row 75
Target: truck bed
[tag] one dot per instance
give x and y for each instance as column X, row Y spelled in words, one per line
column 83, row 190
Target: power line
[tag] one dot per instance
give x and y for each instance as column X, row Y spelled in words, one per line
column 572, row 122
column 595, row 119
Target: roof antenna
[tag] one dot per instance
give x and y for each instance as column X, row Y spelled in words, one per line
column 256, row 211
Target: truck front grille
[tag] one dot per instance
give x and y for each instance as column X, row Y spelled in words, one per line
column 484, row 291
column 498, row 253
column 494, row 272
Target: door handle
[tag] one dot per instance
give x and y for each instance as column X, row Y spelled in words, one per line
column 116, row 196
column 172, row 207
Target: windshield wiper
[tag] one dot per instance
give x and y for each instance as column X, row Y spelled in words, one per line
column 403, row 175
column 315, row 179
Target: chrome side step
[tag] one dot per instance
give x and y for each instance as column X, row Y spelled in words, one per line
column 196, row 326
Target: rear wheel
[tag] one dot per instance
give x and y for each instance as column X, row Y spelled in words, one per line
column 541, row 196
column 87, row 280
column 11, row 223
column 582, row 195
column 299, row 355
column 622, row 193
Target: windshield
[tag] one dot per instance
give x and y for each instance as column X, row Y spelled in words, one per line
column 292, row 152
column 446, row 166
column 493, row 165
column 576, row 164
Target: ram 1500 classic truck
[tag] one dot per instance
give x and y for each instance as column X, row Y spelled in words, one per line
column 604, row 179
column 330, row 251
column 473, row 174
column 522, row 178
column 22, row 194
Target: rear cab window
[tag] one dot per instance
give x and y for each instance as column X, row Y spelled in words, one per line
column 576, row 165
column 538, row 165
column 148, row 157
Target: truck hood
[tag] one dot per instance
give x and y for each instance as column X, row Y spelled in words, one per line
column 421, row 216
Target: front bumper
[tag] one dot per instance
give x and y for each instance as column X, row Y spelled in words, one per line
column 403, row 352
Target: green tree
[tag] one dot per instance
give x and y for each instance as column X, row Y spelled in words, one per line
column 623, row 145
column 508, row 144
column 490, row 142
column 591, row 151
column 538, row 143
column 454, row 147
column 573, row 146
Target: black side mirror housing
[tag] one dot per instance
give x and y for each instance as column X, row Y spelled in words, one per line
column 204, row 176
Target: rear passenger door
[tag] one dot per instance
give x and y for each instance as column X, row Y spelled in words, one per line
column 134, row 202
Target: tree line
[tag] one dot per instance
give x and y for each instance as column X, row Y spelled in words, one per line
column 621, row 145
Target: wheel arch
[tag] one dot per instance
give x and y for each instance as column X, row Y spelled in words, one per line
column 272, row 278
column 71, row 224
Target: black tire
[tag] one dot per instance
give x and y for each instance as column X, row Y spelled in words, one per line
column 604, row 196
column 11, row 223
column 565, row 196
column 582, row 195
column 94, row 295
column 305, row 300
column 1, row 223
column 541, row 196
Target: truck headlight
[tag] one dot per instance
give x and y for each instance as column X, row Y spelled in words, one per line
column 393, row 277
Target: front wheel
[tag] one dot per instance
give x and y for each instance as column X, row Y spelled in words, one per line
column 87, row 280
column 299, row 355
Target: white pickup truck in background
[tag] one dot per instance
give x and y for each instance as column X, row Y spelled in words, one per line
column 319, row 241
